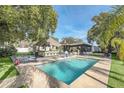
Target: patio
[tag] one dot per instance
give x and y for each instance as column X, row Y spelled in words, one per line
column 96, row 77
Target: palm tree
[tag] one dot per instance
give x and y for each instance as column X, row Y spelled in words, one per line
column 106, row 30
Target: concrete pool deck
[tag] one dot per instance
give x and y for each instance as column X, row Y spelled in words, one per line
column 96, row 77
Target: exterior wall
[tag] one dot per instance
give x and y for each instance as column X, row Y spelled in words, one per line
column 23, row 49
column 36, row 78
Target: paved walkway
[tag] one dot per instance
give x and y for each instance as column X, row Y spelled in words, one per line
column 25, row 77
column 96, row 77
column 7, row 82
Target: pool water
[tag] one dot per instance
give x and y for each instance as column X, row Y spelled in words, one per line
column 67, row 70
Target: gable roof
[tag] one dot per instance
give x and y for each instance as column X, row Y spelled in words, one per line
column 52, row 41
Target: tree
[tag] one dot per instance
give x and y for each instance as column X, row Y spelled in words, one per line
column 42, row 21
column 71, row 40
column 6, row 23
column 97, row 29
column 118, row 44
column 34, row 23
column 110, row 27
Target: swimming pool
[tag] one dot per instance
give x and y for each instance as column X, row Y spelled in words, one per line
column 67, row 70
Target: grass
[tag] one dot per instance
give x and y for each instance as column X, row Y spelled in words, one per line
column 24, row 86
column 24, row 54
column 96, row 54
column 116, row 76
column 7, row 68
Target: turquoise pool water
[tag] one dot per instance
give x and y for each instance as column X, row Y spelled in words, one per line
column 67, row 70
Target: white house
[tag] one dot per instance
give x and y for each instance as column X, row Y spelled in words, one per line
column 51, row 48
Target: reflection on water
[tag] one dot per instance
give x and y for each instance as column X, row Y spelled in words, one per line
column 67, row 70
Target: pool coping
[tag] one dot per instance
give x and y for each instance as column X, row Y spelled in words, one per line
column 78, row 82
column 92, row 77
column 37, row 66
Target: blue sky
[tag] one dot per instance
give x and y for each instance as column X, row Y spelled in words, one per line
column 75, row 21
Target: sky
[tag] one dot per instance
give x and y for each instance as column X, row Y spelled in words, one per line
column 75, row 20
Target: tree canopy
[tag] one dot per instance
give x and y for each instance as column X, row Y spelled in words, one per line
column 108, row 30
column 71, row 40
column 31, row 22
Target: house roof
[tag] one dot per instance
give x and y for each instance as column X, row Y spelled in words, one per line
column 52, row 41
column 23, row 43
column 77, row 44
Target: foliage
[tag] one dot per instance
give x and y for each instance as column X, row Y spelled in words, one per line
column 71, row 40
column 31, row 22
column 119, row 45
column 8, row 51
column 94, row 34
column 121, row 52
column 24, row 54
column 97, row 54
column 24, row 86
column 107, row 27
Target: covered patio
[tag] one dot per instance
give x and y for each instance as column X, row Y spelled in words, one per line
column 77, row 48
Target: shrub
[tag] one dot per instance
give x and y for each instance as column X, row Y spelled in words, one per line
column 11, row 50
column 120, row 50
column 24, row 54
column 120, row 53
column 8, row 51
column 24, row 86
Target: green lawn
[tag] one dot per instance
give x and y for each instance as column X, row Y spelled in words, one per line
column 116, row 76
column 7, row 68
column 24, row 54
column 97, row 54
column 24, row 86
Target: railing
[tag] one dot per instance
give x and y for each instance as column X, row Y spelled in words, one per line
column 48, row 53
column 51, row 53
